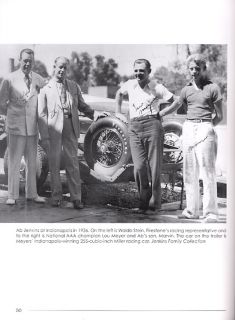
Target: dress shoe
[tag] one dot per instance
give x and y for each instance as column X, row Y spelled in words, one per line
column 37, row 199
column 77, row 204
column 154, row 209
column 210, row 218
column 187, row 215
column 11, row 201
column 56, row 203
column 139, row 210
column 142, row 208
column 153, row 205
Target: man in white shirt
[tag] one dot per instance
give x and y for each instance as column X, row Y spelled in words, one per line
column 204, row 111
column 146, row 131
column 18, row 99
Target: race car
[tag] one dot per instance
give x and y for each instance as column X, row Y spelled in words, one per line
column 103, row 147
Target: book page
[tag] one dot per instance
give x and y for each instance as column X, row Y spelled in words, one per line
column 106, row 261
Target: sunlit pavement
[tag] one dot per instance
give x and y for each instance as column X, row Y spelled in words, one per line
column 30, row 212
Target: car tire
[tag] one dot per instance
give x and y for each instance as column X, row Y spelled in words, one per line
column 42, row 166
column 172, row 140
column 106, row 145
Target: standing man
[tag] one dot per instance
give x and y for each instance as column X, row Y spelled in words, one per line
column 18, row 100
column 204, row 112
column 59, row 102
column 146, row 131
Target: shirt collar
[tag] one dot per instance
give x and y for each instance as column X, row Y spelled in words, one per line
column 190, row 83
column 148, row 84
column 60, row 82
column 23, row 74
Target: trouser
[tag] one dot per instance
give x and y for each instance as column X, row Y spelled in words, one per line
column 69, row 142
column 19, row 146
column 146, row 142
column 199, row 152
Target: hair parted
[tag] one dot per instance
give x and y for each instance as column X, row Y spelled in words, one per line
column 26, row 50
column 198, row 58
column 61, row 58
column 145, row 61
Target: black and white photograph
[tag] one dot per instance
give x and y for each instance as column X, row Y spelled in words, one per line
column 113, row 133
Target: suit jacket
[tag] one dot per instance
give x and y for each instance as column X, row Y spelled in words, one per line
column 50, row 111
column 20, row 103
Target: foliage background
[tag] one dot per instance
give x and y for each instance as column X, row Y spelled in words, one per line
column 90, row 71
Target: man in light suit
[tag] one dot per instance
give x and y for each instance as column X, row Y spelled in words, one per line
column 59, row 102
column 18, row 99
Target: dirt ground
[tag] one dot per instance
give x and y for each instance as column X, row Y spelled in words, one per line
column 124, row 194
column 104, row 203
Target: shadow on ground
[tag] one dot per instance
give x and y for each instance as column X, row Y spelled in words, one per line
column 104, row 203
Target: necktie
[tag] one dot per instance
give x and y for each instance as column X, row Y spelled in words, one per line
column 63, row 97
column 63, row 94
column 27, row 81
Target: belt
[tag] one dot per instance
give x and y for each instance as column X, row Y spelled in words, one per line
column 67, row 116
column 153, row 116
column 199, row 120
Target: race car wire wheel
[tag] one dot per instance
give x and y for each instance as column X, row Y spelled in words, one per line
column 106, row 145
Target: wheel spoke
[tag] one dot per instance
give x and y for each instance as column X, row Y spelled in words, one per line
column 108, row 147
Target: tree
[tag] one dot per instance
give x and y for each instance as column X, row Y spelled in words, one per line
column 40, row 68
column 104, row 73
column 217, row 57
column 173, row 80
column 125, row 78
column 80, row 69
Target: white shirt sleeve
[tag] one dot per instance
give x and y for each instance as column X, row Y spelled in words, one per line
column 163, row 92
column 124, row 87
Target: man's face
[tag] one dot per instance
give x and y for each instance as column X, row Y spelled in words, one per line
column 60, row 69
column 26, row 62
column 197, row 72
column 141, row 71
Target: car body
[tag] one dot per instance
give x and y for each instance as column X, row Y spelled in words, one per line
column 91, row 166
